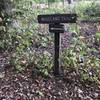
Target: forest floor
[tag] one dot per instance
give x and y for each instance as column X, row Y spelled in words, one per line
column 25, row 86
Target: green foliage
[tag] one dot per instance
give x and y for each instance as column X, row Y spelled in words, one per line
column 74, row 54
column 80, row 58
column 88, row 10
column 97, row 35
column 93, row 10
column 17, row 31
column 44, row 62
column 4, row 21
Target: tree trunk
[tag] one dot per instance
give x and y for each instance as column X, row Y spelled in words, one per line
column 5, row 7
column 70, row 1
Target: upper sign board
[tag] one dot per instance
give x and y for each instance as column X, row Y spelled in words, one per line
column 57, row 18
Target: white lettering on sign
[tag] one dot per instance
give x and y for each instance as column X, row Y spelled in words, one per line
column 56, row 28
column 50, row 19
column 53, row 19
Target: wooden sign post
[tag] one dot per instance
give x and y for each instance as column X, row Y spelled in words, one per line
column 55, row 26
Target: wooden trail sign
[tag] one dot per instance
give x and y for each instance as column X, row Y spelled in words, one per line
column 55, row 26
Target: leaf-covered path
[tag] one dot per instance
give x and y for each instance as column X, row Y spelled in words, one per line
column 24, row 86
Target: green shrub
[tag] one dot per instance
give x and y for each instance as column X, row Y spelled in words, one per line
column 93, row 10
column 17, row 31
column 82, row 59
column 43, row 62
column 88, row 9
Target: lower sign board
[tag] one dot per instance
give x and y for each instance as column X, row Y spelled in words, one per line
column 57, row 18
column 53, row 28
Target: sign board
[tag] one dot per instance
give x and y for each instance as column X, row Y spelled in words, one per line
column 56, row 28
column 57, row 18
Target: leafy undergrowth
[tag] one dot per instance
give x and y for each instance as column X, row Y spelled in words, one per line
column 24, row 86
